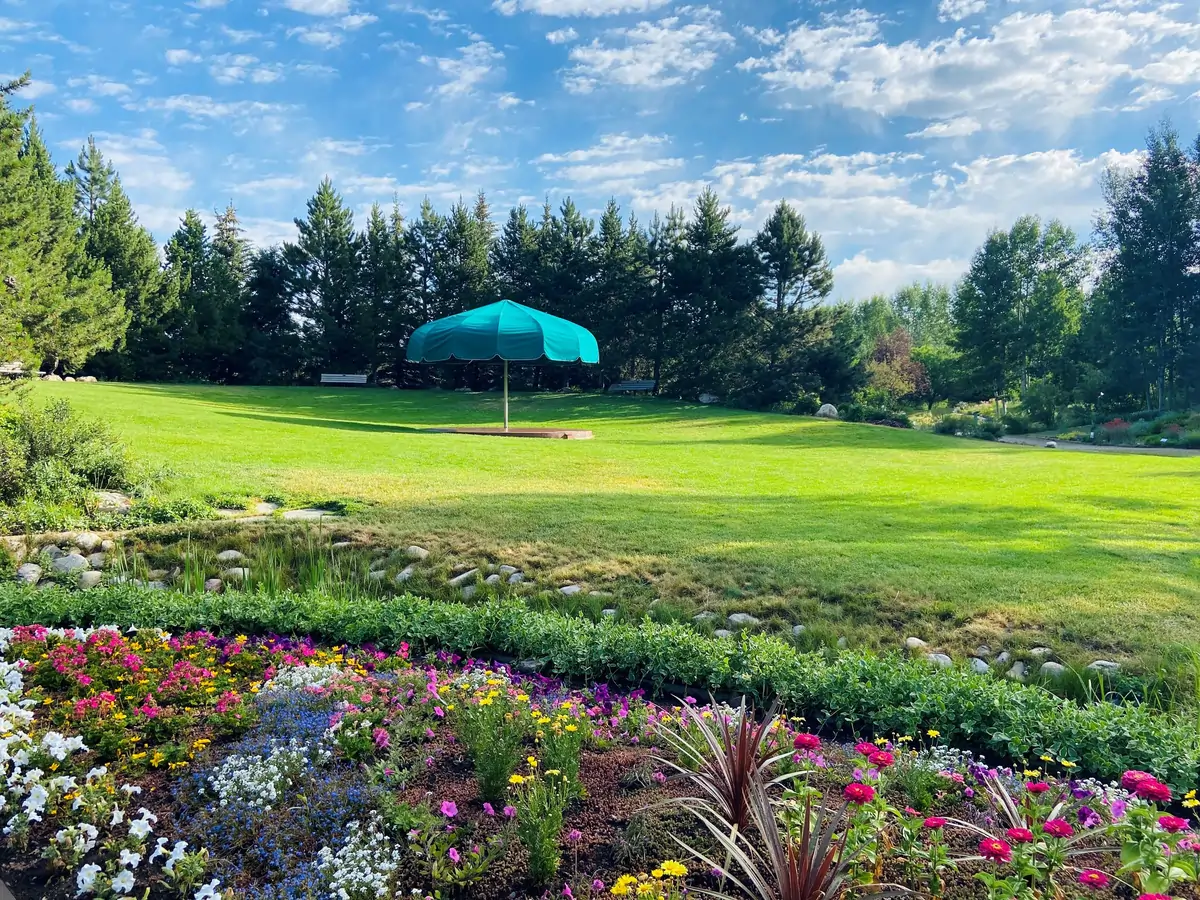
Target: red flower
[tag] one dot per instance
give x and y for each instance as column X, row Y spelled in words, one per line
column 1172, row 823
column 995, row 850
column 1153, row 789
column 1133, row 777
column 1037, row 787
column 1093, row 879
column 1019, row 835
column 865, row 748
column 881, row 759
column 1059, row 828
column 1153, row 897
column 807, row 742
column 935, row 822
column 857, row 792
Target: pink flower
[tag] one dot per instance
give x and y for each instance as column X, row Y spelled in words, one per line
column 597, row 885
column 881, row 759
column 935, row 822
column 807, row 742
column 454, row 857
column 574, row 836
column 1132, row 778
column 1153, row 790
column 489, row 809
column 509, row 812
column 1172, row 824
column 1153, row 897
column 1059, row 828
column 381, row 738
column 439, row 712
column 857, row 792
column 659, row 778
column 865, row 748
column 996, row 850
column 1093, row 879
column 1037, row 787
column 449, row 809
column 1019, row 835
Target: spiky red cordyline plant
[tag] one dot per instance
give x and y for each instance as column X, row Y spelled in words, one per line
column 734, row 757
column 777, row 865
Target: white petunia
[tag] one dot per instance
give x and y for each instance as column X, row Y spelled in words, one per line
column 139, row 829
column 123, row 883
column 130, row 858
column 208, row 891
column 160, row 849
column 118, row 816
column 85, row 881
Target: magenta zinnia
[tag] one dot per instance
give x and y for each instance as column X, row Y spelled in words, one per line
column 1152, row 789
column 996, row 850
column 857, row 792
column 935, row 822
column 807, row 742
column 1019, row 835
column 1059, row 828
column 1172, row 823
column 1093, row 879
column 881, row 759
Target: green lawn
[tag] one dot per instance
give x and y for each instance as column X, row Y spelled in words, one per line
column 864, row 531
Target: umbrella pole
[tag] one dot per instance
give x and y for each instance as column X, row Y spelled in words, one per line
column 506, row 395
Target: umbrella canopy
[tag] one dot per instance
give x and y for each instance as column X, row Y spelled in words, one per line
column 504, row 331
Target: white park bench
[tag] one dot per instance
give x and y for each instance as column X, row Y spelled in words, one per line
column 358, row 380
column 632, row 387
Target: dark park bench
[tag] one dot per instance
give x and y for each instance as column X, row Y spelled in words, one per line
column 349, row 380
column 632, row 387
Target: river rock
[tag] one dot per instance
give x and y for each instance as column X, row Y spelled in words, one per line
column 418, row 553
column 798, row 630
column 914, row 644
column 983, row 651
column 842, row 643
column 1003, row 657
column 469, row 591
column 464, row 578
column 378, row 565
column 87, row 541
column 1104, row 665
column 53, row 551
column 97, row 560
column 236, row 575
column 1051, row 445
column 978, row 665
column 108, row 546
column 72, row 562
column 1052, row 670
column 157, row 575
column 376, row 575
column 609, row 613
column 494, row 578
column 113, row 501
column 213, row 586
column 516, row 578
column 742, row 620
column 230, row 556
column 1017, row 672
column 508, row 570
column 29, row 573
column 341, row 545
column 404, row 574
column 1041, row 652
column 569, row 590
column 723, row 633
column 701, row 618
column 90, row 579
column 941, row 660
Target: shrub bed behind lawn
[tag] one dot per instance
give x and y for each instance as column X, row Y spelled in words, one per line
column 855, row 692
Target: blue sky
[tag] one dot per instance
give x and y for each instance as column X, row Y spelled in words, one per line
column 903, row 131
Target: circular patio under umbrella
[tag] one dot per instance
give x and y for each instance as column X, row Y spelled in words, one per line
column 503, row 332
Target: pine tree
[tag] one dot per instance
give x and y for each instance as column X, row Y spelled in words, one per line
column 665, row 254
column 19, row 246
column 92, row 177
column 514, row 257
column 326, row 291
column 796, row 268
column 271, row 352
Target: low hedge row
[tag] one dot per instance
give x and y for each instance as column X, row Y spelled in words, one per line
column 855, row 692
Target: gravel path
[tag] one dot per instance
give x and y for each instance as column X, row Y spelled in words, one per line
column 1099, row 448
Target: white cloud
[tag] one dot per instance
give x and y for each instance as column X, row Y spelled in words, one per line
column 239, row 36
column 562, row 35
column 209, row 4
column 467, row 71
column 271, row 184
column 100, row 87
column 1030, row 68
column 234, row 68
column 616, row 163
column 960, row 126
column 650, row 54
column 80, row 105
column 143, row 163
column 957, row 10
column 180, row 57
column 201, row 108
column 354, row 22
column 319, row 7
column 317, row 37
column 414, row 105
column 860, row 276
column 34, row 89
column 509, row 100
column 576, row 7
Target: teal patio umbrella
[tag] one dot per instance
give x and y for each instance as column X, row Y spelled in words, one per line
column 504, row 331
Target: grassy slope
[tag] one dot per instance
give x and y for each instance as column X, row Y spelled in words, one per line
column 873, row 530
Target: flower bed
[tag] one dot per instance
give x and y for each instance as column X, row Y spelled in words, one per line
column 855, row 691
column 198, row 766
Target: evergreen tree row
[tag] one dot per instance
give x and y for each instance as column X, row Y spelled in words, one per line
column 682, row 299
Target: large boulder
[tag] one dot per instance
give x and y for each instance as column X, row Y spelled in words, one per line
column 70, row 563
column 569, row 590
column 914, row 644
column 516, row 577
column 87, row 541
column 1052, row 670
column 404, row 574
column 29, row 573
column 941, row 660
column 236, row 575
column 827, row 411
column 213, row 585
column 978, row 665
column 461, row 580
column 89, row 579
column 415, row 552
column 742, row 620
column 226, row 557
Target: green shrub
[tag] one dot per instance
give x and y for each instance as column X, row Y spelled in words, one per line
column 855, row 691
column 969, row 426
column 1041, row 401
column 875, row 415
column 1015, row 423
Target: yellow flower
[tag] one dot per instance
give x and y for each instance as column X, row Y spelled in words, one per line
column 516, row 779
column 532, row 762
column 934, row 733
column 572, row 728
column 1067, row 764
column 138, row 756
column 674, row 869
column 656, row 873
column 550, row 772
column 1191, row 803
column 1045, row 758
column 1032, row 773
